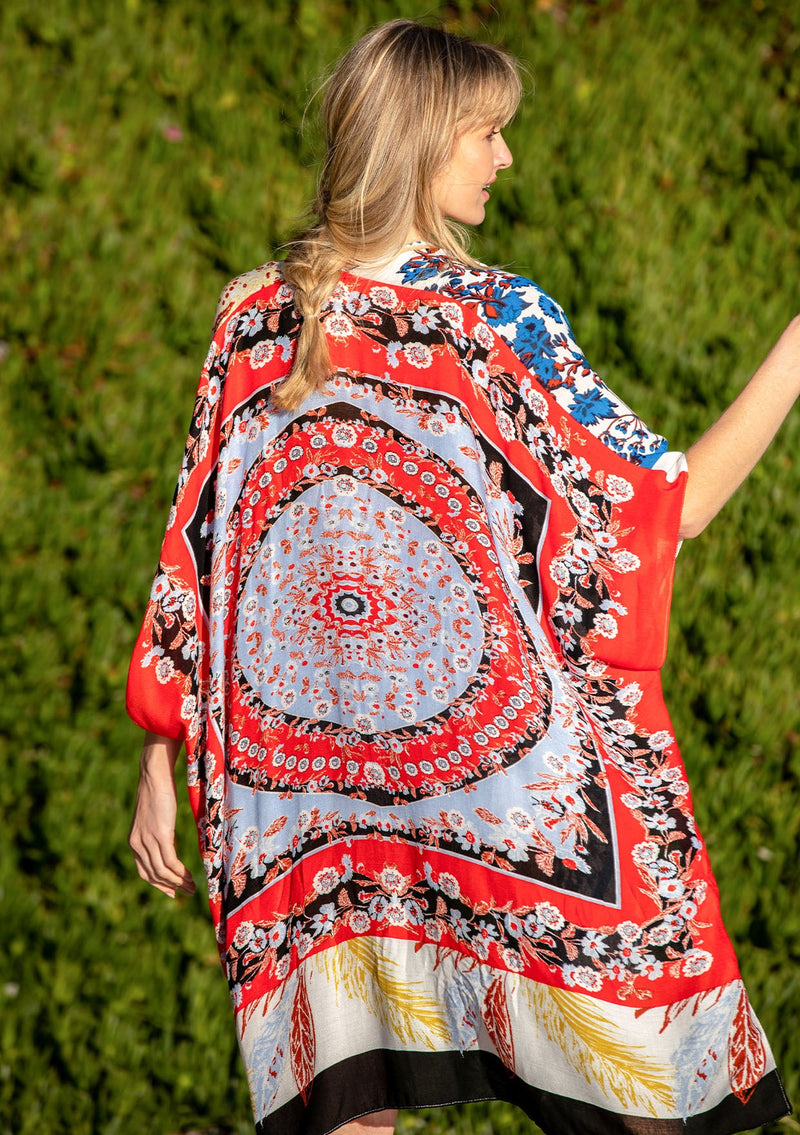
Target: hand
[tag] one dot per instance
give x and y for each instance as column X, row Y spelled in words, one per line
column 152, row 834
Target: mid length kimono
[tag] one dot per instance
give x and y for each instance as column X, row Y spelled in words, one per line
column 411, row 635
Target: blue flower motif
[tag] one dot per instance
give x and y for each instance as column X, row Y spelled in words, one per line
column 550, row 308
column 423, row 267
column 591, row 406
column 323, row 922
column 501, row 305
column 536, row 349
column 286, row 345
column 649, row 459
column 538, row 332
column 250, row 322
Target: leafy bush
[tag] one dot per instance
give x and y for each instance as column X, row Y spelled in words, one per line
column 150, row 151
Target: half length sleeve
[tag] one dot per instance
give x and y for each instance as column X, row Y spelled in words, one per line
column 167, row 674
column 539, row 333
column 167, row 687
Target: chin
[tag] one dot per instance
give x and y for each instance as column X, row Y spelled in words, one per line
column 473, row 218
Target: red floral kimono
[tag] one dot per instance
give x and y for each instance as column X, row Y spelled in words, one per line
column 411, row 635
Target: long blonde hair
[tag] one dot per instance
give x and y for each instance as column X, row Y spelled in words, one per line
column 392, row 111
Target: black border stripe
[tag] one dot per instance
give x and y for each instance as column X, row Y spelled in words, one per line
column 384, row 1078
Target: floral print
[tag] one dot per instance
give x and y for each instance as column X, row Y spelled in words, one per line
column 411, row 634
column 538, row 332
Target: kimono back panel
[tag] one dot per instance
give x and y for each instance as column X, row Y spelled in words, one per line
column 411, row 634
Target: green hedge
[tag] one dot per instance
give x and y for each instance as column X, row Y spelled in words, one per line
column 150, row 151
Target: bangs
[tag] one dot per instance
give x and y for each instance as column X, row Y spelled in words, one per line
column 490, row 98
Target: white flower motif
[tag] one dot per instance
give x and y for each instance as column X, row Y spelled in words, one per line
column 385, row 298
column 449, row 885
column 519, row 819
column 325, row 880
column 344, row 435
column 418, row 354
column 304, row 943
column 617, row 489
column 585, row 977
column 339, row 327
column 645, row 852
column 359, row 921
column 373, row 772
column 622, row 726
column 631, row 694
column 660, row 934
column 629, row 931
column 188, row 711
column 660, row 740
column 696, row 962
column 559, row 573
column 261, row 354
column 555, row 762
column 537, row 403
column 513, row 961
column 244, row 932
column 606, row 625
column 550, row 915
column 625, row 561
column 453, row 314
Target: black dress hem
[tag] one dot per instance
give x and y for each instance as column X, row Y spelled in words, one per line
column 385, row 1078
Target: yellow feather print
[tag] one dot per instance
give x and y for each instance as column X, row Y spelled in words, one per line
column 361, row 971
column 599, row 1049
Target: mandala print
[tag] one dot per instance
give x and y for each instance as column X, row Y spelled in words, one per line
column 411, row 635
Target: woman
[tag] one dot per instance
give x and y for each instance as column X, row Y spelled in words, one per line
column 409, row 617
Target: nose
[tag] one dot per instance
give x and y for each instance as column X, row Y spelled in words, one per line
column 503, row 157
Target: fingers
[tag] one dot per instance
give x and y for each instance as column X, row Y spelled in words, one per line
column 152, row 834
column 158, row 865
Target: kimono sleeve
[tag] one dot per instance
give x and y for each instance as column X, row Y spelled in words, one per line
column 538, row 331
column 167, row 678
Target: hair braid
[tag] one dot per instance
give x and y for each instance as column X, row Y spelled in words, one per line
column 313, row 265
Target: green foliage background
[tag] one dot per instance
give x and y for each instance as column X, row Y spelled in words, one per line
column 148, row 152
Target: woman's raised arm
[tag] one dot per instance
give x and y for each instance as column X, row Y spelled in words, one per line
column 721, row 459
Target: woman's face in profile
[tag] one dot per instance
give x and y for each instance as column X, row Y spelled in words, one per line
column 461, row 188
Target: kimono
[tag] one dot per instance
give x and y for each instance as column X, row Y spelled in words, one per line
column 411, row 635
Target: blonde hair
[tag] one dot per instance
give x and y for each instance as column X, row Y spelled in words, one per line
column 392, row 111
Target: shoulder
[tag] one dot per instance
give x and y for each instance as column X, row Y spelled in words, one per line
column 511, row 303
column 503, row 292
column 248, row 283
column 531, row 296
